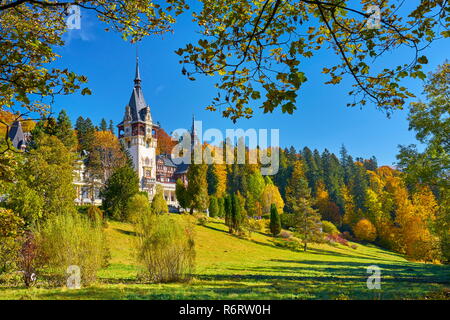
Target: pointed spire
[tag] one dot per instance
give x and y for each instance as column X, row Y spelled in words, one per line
column 193, row 125
column 137, row 79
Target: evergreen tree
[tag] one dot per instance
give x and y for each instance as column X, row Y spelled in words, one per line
column 228, row 206
column 44, row 127
column 333, row 177
column 318, row 160
column 307, row 222
column 359, row 185
column 346, row 163
column 217, row 179
column 371, row 164
column 85, row 133
column 213, row 207
column 297, row 188
column 284, row 173
column 119, row 188
column 221, row 204
column 111, row 126
column 275, row 222
column 237, row 214
column 181, row 193
column 197, row 189
column 65, row 132
column 103, row 125
column 312, row 171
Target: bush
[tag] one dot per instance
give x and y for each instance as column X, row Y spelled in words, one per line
column 202, row 220
column 365, row 231
column 165, row 248
column 292, row 244
column 336, row 238
column 71, row 239
column 252, row 225
column 285, row 235
column 10, row 230
column 159, row 204
column 137, row 206
column 28, row 259
column 95, row 214
column 329, row 228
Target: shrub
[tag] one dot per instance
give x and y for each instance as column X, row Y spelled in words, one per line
column 28, row 259
column 292, row 244
column 252, row 225
column 10, row 230
column 159, row 204
column 285, row 234
column 202, row 219
column 95, row 214
column 137, row 206
column 71, row 239
column 275, row 223
column 336, row 238
column 365, row 231
column 165, row 248
column 329, row 228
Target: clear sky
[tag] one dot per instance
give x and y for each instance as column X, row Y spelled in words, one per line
column 322, row 119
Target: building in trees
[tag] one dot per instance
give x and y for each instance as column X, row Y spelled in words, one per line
column 138, row 134
column 18, row 138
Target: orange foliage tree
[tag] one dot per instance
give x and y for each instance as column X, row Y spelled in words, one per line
column 364, row 230
column 106, row 156
column 165, row 142
column 327, row 209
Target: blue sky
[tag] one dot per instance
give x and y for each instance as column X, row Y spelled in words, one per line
column 322, row 119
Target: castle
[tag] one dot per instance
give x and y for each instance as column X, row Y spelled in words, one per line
column 138, row 133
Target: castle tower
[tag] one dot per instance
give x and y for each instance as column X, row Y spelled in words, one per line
column 138, row 135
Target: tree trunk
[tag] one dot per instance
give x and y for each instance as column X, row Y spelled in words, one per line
column 191, row 211
column 305, row 247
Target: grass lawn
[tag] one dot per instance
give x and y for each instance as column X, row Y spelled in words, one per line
column 232, row 268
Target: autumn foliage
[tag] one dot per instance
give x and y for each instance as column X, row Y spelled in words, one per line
column 365, row 230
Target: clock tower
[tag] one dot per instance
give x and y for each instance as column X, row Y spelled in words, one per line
column 138, row 135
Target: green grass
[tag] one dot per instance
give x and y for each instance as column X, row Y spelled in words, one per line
column 229, row 267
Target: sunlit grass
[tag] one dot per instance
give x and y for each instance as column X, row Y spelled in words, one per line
column 229, row 267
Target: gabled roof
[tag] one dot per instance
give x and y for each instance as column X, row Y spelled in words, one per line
column 167, row 161
column 16, row 135
column 182, row 168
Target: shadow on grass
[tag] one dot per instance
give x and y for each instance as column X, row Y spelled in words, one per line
column 127, row 232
